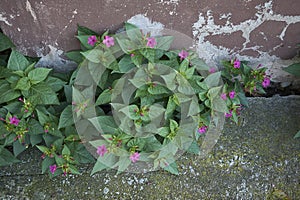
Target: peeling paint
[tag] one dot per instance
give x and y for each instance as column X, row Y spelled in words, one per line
column 212, row 54
column 4, row 19
column 146, row 24
column 32, row 12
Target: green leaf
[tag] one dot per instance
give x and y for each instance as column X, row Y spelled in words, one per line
column 134, row 33
column 194, row 148
column 104, row 97
column 82, row 30
column 172, row 168
column 108, row 159
column 39, row 74
column 84, row 41
column 81, row 155
column 297, row 135
column 42, row 94
column 123, row 164
column 36, row 139
column 158, row 89
column 23, row 84
column 5, row 42
column 43, row 118
column 34, row 127
column 7, row 93
column 164, row 42
column 126, row 64
column 17, row 61
column 6, row 157
column 66, row 118
column 126, row 45
column 55, row 83
column 93, row 55
column 75, row 56
column 46, row 164
column 213, row 79
column 66, row 150
column 104, row 124
column 293, row 69
column 18, row 148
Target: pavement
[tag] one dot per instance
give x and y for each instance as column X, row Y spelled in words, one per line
column 259, row 159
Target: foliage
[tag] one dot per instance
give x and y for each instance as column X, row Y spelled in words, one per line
column 163, row 101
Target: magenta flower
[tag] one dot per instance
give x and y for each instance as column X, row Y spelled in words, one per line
column 101, row 150
column 151, row 42
column 237, row 64
column 202, row 129
column 52, row 168
column 14, row 120
column 266, row 82
column 227, row 115
column 223, row 96
column 232, row 94
column 92, row 40
column 212, row 70
column 183, row 54
column 108, row 41
column 134, row 157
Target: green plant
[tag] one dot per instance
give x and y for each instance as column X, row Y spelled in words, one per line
column 162, row 102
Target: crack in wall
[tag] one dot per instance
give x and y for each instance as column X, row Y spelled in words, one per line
column 31, row 11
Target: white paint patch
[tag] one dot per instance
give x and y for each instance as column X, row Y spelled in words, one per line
column 4, row 19
column 29, row 9
column 212, row 54
column 146, row 25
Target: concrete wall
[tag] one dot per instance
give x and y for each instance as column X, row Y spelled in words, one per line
column 261, row 31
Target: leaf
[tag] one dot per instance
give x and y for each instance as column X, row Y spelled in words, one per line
column 109, row 159
column 293, row 69
column 158, row 89
column 82, row 30
column 7, row 93
column 81, row 155
column 6, row 157
column 46, row 164
column 55, row 83
column 126, row 64
column 134, row 33
column 18, row 147
column 297, row 135
column 93, row 55
column 43, row 118
column 5, row 42
column 213, row 79
column 84, row 41
column 126, row 45
column 34, row 127
column 39, row 74
column 66, row 117
column 75, row 56
column 42, row 94
column 172, row 168
column 17, row 61
column 164, row 42
column 104, row 97
column 36, row 139
column 23, row 84
column 194, row 148
column 104, row 124
column 66, row 150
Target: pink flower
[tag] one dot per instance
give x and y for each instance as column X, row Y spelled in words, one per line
column 134, row 157
column 237, row 64
column 183, row 54
column 227, row 115
column 52, row 168
column 92, row 40
column 151, row 42
column 212, row 70
column 101, row 150
column 108, row 41
column 232, row 94
column 202, row 129
column 223, row 96
column 132, row 54
column 13, row 120
column 266, row 82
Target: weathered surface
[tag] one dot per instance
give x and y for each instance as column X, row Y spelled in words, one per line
column 257, row 160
